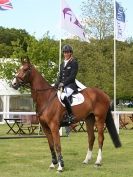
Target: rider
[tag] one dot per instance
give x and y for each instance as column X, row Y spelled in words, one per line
column 66, row 79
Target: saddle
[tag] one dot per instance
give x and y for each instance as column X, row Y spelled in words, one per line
column 75, row 98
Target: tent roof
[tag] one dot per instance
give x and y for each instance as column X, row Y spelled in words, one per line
column 5, row 88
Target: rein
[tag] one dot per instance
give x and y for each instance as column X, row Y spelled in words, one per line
column 36, row 90
column 41, row 90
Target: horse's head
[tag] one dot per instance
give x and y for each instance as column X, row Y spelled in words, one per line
column 22, row 75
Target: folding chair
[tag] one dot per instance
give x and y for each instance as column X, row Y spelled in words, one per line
column 29, row 123
column 122, row 122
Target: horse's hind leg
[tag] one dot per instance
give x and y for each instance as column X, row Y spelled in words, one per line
column 90, row 121
column 100, row 127
column 49, row 136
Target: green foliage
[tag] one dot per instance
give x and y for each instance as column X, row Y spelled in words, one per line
column 45, row 55
column 124, row 67
column 98, row 18
column 96, row 60
column 8, row 37
column 8, row 68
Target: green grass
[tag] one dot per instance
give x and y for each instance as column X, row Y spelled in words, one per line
column 124, row 109
column 31, row 157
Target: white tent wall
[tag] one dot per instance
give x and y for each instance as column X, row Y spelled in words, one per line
column 6, row 95
column 6, row 100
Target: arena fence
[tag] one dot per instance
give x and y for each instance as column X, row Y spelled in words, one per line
column 116, row 116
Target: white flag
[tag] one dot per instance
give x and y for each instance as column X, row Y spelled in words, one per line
column 69, row 21
column 120, row 23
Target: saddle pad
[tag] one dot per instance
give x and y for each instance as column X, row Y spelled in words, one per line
column 80, row 85
column 76, row 99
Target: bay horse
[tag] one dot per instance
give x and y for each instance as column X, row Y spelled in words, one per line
column 94, row 109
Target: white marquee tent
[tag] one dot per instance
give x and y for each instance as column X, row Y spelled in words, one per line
column 5, row 92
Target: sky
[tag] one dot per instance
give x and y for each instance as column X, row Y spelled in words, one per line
column 128, row 7
column 38, row 16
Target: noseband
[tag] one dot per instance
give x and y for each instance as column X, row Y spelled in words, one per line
column 24, row 81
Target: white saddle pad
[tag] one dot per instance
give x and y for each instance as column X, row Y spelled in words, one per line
column 76, row 99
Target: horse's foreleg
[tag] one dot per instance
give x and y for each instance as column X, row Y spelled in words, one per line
column 56, row 138
column 48, row 134
column 100, row 128
column 91, row 137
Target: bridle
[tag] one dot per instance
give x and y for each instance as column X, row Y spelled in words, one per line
column 25, row 81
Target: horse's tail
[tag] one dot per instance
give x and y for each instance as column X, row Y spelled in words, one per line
column 112, row 129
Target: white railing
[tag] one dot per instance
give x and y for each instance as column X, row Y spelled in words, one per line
column 116, row 115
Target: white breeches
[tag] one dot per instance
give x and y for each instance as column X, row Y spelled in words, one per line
column 66, row 92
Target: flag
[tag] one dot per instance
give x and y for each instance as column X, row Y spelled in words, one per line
column 120, row 23
column 5, row 5
column 69, row 21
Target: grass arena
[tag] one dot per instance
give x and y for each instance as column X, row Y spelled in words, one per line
column 30, row 157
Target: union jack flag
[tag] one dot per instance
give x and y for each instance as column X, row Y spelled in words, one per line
column 5, row 5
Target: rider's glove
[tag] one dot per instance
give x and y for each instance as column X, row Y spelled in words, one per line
column 60, row 85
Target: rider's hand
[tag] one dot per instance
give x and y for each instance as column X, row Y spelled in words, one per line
column 60, row 85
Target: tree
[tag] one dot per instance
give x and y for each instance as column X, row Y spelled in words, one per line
column 9, row 38
column 124, row 74
column 98, row 18
column 43, row 53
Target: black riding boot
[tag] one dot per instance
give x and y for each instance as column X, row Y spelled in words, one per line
column 69, row 110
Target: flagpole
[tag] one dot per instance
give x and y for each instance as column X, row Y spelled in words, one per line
column 115, row 58
column 59, row 53
column 116, row 116
column 60, row 39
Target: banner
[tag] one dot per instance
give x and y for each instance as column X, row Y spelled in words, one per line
column 69, row 21
column 5, row 5
column 120, row 23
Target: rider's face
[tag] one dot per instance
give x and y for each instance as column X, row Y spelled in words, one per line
column 67, row 55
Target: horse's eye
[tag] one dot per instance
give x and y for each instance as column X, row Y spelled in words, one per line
column 25, row 69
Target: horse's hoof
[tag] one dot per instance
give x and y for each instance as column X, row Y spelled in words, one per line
column 97, row 165
column 85, row 162
column 52, row 166
column 59, row 170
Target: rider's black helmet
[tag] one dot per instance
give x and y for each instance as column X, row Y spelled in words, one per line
column 67, row 48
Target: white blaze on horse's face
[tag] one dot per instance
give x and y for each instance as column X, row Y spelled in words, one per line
column 14, row 81
column 18, row 77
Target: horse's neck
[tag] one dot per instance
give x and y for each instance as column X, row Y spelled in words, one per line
column 42, row 92
column 40, row 88
column 37, row 82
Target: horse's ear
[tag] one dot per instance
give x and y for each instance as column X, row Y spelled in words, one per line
column 22, row 60
column 25, row 60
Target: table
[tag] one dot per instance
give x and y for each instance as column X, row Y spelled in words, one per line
column 81, row 127
column 15, row 127
column 21, row 126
